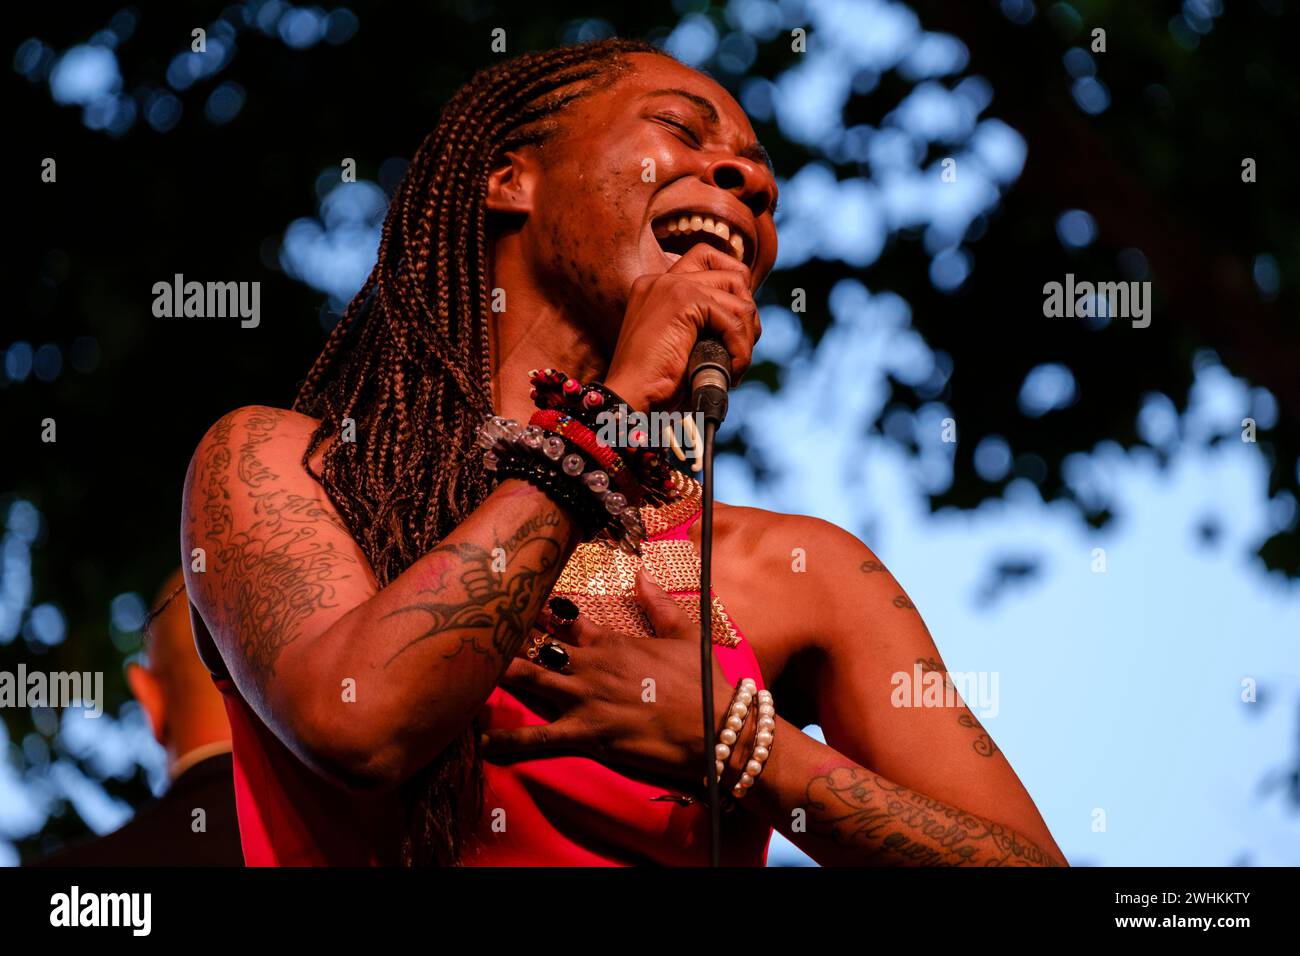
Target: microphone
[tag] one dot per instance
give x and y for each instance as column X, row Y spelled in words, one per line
column 709, row 375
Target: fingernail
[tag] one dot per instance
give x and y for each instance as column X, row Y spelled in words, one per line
column 484, row 740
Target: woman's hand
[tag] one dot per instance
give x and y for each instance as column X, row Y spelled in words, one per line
column 705, row 291
column 633, row 703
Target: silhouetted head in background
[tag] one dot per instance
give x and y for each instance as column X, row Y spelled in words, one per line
column 185, row 708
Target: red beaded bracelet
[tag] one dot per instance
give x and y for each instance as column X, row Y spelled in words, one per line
column 583, row 437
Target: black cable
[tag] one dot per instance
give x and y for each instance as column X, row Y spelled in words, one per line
column 706, row 644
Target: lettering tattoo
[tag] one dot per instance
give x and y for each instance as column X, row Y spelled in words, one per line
column 871, row 567
column 902, row 603
column 275, row 572
column 475, row 606
column 892, row 824
column 983, row 744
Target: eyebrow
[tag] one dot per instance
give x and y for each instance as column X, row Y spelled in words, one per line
column 754, row 151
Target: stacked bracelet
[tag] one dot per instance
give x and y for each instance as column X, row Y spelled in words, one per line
column 734, row 723
column 569, row 477
column 580, row 435
column 594, row 407
column 762, row 745
column 746, row 693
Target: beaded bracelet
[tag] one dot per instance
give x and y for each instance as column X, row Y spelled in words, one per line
column 566, row 475
column 559, row 423
column 583, row 507
column 553, row 390
column 762, row 745
column 733, row 724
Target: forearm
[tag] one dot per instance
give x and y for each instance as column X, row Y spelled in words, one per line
column 425, row 652
column 842, row 814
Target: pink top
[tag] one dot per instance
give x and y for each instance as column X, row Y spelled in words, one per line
column 549, row 811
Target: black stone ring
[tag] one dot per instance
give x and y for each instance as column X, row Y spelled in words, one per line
column 563, row 611
column 553, row 656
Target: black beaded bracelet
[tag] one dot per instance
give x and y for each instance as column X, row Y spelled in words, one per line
column 566, row 474
column 553, row 389
column 579, row 503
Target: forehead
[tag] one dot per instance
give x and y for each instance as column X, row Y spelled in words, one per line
column 651, row 72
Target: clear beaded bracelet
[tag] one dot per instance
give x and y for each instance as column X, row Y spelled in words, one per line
column 514, row 450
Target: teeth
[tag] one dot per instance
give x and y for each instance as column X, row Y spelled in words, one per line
column 702, row 223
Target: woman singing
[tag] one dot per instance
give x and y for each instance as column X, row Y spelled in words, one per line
column 450, row 638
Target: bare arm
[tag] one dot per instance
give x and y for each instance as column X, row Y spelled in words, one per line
column 365, row 685
column 908, row 775
column 842, row 814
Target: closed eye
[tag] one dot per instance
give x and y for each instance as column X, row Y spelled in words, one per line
column 679, row 125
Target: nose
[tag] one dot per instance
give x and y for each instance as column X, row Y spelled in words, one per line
column 750, row 182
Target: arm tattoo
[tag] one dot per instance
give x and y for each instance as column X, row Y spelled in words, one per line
column 274, row 572
column 983, row 744
column 483, row 600
column 895, row 825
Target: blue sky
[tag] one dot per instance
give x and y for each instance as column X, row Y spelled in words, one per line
column 1119, row 690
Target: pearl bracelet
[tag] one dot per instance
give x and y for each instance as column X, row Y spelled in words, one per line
column 734, row 723
column 762, row 745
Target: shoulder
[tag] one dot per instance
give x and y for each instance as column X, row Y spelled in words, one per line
column 813, row 547
column 253, row 443
column 830, row 575
column 278, row 432
column 249, row 467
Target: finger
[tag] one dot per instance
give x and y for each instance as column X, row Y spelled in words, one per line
column 579, row 633
column 532, row 678
column 666, row 616
column 562, row 736
column 702, row 256
column 732, row 282
column 730, row 317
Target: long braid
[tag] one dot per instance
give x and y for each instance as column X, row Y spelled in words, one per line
column 409, row 363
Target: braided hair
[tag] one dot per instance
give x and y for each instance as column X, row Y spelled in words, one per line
column 409, row 363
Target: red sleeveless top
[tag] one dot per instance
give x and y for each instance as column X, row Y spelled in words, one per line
column 548, row 811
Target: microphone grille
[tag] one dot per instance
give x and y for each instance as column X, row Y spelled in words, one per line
column 710, row 351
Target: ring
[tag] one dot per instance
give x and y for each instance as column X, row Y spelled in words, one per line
column 553, row 656
column 563, row 611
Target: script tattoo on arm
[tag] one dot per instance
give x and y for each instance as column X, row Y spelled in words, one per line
column 983, row 744
column 894, row 825
column 274, row 571
column 487, row 600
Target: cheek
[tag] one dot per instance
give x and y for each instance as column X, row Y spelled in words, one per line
column 593, row 238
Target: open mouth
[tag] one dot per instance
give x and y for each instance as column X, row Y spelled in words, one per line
column 678, row 231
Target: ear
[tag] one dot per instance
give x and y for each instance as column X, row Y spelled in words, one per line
column 512, row 185
column 149, row 693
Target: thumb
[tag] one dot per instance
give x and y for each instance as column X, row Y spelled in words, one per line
column 666, row 616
